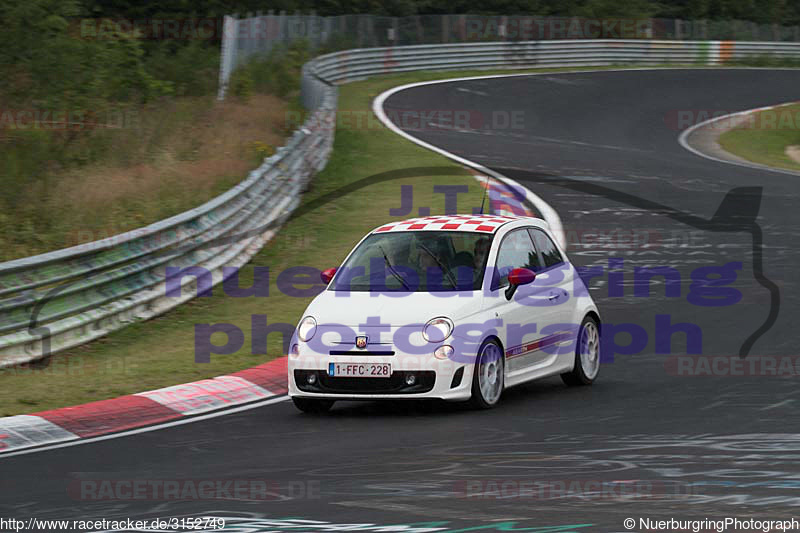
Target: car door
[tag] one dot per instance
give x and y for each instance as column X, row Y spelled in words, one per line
column 524, row 315
column 556, row 278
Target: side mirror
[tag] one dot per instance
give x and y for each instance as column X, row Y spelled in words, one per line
column 327, row 275
column 517, row 277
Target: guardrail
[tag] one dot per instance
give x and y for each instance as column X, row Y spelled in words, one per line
column 64, row 298
column 349, row 65
column 60, row 299
column 265, row 33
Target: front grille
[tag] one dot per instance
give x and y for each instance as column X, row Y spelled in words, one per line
column 395, row 384
column 361, row 352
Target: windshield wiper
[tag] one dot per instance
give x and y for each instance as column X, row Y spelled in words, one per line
column 445, row 270
column 392, row 270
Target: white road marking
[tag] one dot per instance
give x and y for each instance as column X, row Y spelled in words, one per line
column 148, row 429
column 548, row 213
column 713, row 405
column 473, row 91
column 682, row 139
column 779, row 404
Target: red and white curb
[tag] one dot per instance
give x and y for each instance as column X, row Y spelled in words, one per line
column 143, row 409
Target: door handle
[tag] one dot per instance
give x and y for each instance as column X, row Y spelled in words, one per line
column 553, row 296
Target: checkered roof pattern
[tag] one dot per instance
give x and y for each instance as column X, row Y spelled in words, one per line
column 477, row 223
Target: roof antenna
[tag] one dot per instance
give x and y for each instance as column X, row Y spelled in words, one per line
column 485, row 189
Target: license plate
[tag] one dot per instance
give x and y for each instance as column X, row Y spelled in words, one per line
column 360, row 370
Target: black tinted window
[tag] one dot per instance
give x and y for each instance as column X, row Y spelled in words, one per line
column 416, row 261
column 546, row 247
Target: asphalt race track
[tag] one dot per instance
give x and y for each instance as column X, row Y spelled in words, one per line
column 602, row 149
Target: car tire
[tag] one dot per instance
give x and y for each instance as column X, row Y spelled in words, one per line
column 488, row 379
column 587, row 355
column 312, row 405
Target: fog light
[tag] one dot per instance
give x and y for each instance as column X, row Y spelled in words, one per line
column 443, row 352
column 295, row 351
column 311, row 378
column 410, row 379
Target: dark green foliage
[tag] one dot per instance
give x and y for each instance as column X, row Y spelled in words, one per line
column 49, row 64
column 275, row 73
column 762, row 11
column 190, row 69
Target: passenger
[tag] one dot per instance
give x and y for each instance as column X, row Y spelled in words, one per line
column 482, row 246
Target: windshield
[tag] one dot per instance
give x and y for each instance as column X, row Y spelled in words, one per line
column 416, row 261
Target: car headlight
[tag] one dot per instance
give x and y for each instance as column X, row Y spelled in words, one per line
column 444, row 352
column 307, row 328
column 437, row 329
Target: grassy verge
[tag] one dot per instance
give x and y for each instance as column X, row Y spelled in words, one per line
column 161, row 352
column 764, row 138
column 109, row 162
column 62, row 188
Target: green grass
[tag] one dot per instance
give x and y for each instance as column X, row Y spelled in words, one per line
column 764, row 139
column 160, row 352
column 62, row 188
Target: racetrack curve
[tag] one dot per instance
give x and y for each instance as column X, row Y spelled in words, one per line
column 602, row 149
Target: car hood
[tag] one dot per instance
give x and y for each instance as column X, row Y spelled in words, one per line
column 395, row 309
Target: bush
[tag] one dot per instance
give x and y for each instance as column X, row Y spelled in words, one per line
column 277, row 72
column 241, row 84
column 54, row 65
column 191, row 69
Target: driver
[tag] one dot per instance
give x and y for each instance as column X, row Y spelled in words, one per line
column 481, row 250
column 425, row 259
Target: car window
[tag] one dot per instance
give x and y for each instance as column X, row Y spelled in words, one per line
column 550, row 254
column 416, row 261
column 516, row 251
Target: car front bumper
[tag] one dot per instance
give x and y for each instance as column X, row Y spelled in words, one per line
column 433, row 378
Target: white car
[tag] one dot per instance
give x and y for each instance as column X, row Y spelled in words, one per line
column 455, row 307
